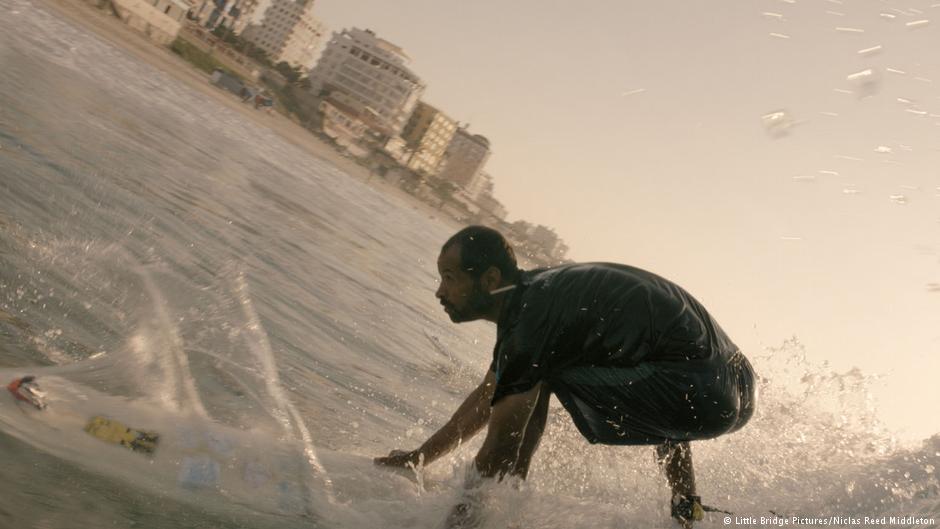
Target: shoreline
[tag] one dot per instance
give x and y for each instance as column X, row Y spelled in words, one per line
column 113, row 31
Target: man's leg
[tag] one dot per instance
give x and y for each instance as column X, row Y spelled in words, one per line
column 533, row 433
column 676, row 461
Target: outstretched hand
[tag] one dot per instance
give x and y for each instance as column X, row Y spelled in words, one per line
column 399, row 459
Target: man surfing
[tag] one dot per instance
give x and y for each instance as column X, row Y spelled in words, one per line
column 633, row 358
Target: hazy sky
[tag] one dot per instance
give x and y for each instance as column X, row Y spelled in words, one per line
column 635, row 130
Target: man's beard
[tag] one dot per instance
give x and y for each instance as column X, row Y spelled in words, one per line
column 479, row 302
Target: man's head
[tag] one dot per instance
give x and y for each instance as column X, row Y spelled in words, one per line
column 473, row 262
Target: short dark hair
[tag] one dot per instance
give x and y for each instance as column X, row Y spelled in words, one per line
column 481, row 248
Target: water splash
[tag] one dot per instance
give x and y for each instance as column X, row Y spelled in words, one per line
column 179, row 385
column 287, row 414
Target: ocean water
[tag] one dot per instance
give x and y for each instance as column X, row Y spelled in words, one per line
column 169, row 263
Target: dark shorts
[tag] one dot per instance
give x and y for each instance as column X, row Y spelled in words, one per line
column 657, row 402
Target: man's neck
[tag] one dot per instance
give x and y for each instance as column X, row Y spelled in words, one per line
column 501, row 293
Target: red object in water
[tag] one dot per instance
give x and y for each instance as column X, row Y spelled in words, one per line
column 14, row 388
column 26, row 390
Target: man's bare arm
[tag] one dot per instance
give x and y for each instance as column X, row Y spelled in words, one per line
column 469, row 418
column 508, row 420
column 499, row 454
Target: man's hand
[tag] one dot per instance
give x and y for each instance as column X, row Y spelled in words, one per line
column 400, row 459
column 469, row 418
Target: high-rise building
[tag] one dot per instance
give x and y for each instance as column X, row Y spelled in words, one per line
column 305, row 43
column 427, row 135
column 373, row 73
column 285, row 29
column 464, row 158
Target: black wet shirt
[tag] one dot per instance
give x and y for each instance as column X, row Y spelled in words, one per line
column 599, row 315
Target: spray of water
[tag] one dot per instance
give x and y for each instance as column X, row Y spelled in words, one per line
column 173, row 357
column 287, row 413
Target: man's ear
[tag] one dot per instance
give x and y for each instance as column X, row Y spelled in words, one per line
column 492, row 278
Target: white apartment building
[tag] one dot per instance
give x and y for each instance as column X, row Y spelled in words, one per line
column 285, row 29
column 159, row 19
column 427, row 135
column 464, row 158
column 305, row 43
column 372, row 72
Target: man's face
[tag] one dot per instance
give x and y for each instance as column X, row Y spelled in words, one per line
column 462, row 296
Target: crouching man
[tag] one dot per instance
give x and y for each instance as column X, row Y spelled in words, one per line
column 633, row 358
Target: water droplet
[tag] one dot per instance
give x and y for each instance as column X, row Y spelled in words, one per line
column 850, row 158
column 777, row 123
column 866, row 82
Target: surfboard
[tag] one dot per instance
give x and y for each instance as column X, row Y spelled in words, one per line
column 161, row 450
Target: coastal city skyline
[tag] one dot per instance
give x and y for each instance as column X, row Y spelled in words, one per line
column 357, row 91
column 369, row 103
